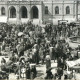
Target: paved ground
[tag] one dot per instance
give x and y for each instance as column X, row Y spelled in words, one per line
column 41, row 70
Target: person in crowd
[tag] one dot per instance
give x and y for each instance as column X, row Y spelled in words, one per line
column 60, row 63
column 54, row 54
column 27, row 70
column 40, row 43
column 33, row 72
column 49, row 74
column 48, row 61
column 59, row 72
column 3, row 61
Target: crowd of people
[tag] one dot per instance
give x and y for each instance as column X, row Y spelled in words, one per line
column 29, row 43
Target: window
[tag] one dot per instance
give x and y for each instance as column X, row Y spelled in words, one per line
column 23, row 12
column 67, row 10
column 46, row 10
column 12, row 12
column 56, row 10
column 2, row 11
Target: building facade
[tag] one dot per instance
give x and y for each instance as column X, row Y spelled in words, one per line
column 39, row 11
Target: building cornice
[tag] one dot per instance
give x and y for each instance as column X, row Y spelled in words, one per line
column 21, row 2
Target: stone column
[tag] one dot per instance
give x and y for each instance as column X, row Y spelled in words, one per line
column 52, row 9
column 29, row 13
column 29, row 10
column 74, row 9
column 77, row 10
column 40, row 13
column 63, row 10
column 7, row 12
column 18, row 14
column 0, row 11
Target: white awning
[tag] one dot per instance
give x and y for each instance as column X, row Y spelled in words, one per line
column 73, row 63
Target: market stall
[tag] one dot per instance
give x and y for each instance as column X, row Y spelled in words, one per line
column 73, row 69
column 73, row 65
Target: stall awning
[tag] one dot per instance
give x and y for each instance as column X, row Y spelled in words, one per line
column 73, row 63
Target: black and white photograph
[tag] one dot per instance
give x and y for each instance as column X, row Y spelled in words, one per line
column 39, row 39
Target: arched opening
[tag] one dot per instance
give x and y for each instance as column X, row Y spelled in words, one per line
column 23, row 12
column 12, row 12
column 2, row 11
column 56, row 10
column 34, row 12
column 67, row 10
column 46, row 9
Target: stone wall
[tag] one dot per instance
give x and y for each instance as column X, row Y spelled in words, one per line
column 62, row 10
column 51, row 16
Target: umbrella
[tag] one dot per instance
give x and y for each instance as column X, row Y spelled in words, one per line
column 20, row 33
